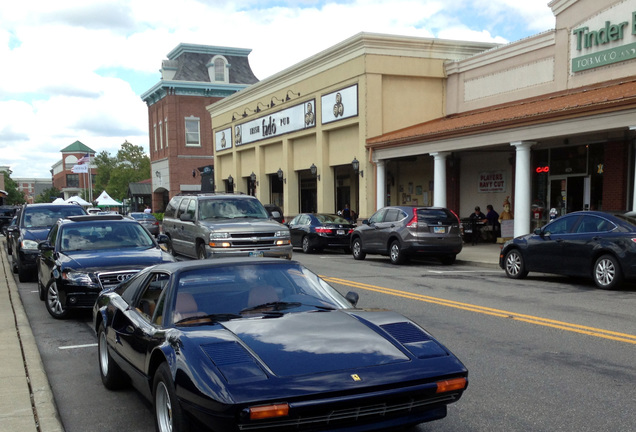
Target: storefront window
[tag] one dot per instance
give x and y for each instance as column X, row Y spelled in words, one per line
column 566, row 179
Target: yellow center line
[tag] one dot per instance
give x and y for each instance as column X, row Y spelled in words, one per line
column 577, row 328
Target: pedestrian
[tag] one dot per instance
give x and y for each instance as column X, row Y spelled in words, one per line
column 346, row 212
column 147, row 210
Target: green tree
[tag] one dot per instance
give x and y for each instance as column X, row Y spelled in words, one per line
column 14, row 195
column 48, row 195
column 115, row 173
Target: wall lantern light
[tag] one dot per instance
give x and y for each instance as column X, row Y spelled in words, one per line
column 355, row 163
column 314, row 171
column 281, row 175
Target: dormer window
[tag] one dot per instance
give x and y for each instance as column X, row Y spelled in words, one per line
column 218, row 69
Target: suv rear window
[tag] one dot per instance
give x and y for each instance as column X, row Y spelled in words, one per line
column 434, row 216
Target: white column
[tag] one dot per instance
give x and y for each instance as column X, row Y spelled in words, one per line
column 522, row 195
column 380, row 186
column 439, row 179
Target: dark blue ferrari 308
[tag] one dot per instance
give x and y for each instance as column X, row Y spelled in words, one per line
column 263, row 344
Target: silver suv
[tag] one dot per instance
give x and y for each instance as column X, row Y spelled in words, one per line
column 222, row 225
column 404, row 231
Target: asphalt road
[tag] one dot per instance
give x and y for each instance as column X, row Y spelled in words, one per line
column 544, row 354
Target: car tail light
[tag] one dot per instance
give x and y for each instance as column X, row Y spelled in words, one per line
column 268, row 411
column 451, row 385
column 413, row 223
column 323, row 230
column 457, row 217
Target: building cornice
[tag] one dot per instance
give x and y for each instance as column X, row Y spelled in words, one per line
column 503, row 52
column 353, row 47
column 207, row 49
column 190, row 88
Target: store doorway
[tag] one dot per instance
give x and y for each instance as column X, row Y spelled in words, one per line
column 569, row 193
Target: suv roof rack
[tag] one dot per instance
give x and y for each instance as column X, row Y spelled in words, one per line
column 209, row 193
column 84, row 218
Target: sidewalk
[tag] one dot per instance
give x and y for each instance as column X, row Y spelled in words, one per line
column 26, row 400
column 481, row 253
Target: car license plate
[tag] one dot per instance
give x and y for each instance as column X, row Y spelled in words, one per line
column 340, row 232
column 439, row 230
column 256, row 254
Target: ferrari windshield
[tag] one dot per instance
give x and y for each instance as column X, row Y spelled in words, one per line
column 252, row 288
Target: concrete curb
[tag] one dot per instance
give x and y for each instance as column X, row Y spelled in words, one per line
column 25, row 392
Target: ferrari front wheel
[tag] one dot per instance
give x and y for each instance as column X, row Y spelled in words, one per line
column 112, row 376
column 169, row 417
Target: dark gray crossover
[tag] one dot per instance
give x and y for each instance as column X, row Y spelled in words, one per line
column 401, row 232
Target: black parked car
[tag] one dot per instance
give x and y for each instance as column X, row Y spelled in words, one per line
column 317, row 231
column 7, row 213
column 148, row 221
column 275, row 212
column 590, row 244
column 85, row 254
column 264, row 344
column 32, row 226
column 404, row 231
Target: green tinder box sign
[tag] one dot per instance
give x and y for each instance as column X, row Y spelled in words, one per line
column 603, row 58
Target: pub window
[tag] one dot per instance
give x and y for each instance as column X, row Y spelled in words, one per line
column 166, row 123
column 155, row 133
column 193, row 136
column 161, row 135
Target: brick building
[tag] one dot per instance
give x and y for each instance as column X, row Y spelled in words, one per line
column 72, row 183
column 180, row 129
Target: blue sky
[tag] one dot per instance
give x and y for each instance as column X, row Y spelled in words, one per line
column 74, row 69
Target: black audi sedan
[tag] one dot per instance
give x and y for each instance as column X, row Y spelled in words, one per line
column 317, row 231
column 589, row 244
column 83, row 255
column 263, row 344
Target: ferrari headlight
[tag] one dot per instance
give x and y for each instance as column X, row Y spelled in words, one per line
column 29, row 245
column 77, row 278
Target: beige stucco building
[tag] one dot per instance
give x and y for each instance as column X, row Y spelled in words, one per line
column 291, row 138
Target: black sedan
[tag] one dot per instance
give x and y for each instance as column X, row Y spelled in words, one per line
column 317, row 231
column 590, row 244
column 32, row 226
column 82, row 255
column 264, row 344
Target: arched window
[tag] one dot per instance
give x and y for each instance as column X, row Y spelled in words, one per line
column 218, row 69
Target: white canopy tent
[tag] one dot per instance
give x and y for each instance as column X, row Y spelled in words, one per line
column 59, row 201
column 77, row 200
column 104, row 200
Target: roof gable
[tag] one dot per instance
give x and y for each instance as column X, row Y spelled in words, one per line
column 78, row 147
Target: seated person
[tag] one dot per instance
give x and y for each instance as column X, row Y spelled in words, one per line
column 477, row 220
column 492, row 223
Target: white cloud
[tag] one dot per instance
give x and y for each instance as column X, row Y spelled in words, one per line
column 63, row 61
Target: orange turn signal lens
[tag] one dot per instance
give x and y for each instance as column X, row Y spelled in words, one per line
column 451, row 385
column 219, row 244
column 269, row 411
